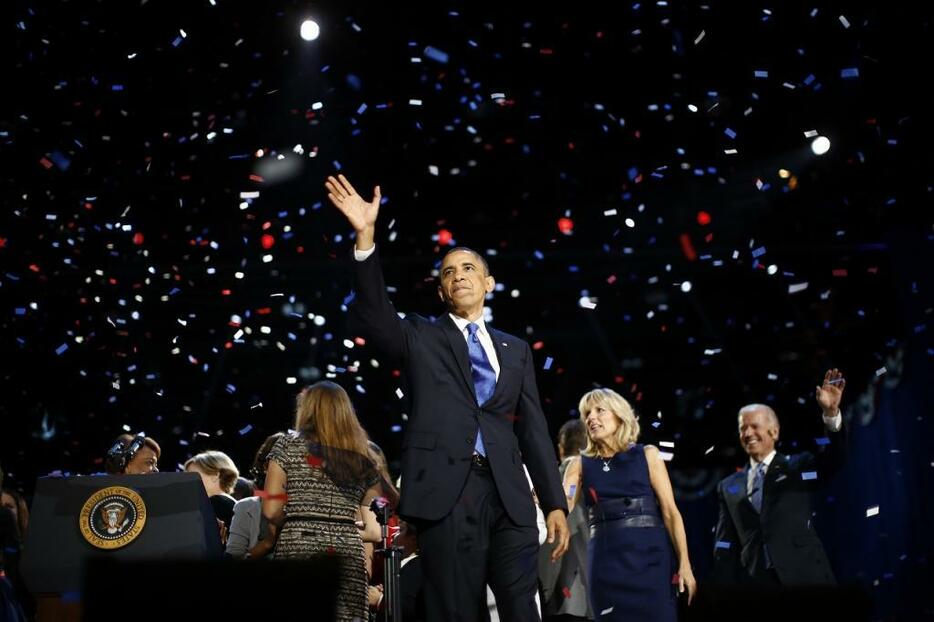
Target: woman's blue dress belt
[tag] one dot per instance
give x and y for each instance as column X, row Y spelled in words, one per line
column 624, row 512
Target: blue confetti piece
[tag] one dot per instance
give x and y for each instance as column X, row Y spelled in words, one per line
column 61, row 349
column 396, row 428
column 730, row 133
column 178, row 41
column 60, row 159
column 20, row 311
column 809, row 475
column 436, row 55
column 116, row 87
column 760, row 73
column 246, row 429
column 723, row 544
column 656, row 424
column 539, row 255
column 349, row 297
column 548, row 362
column 231, row 389
column 758, row 252
column 822, row 441
column 849, row 73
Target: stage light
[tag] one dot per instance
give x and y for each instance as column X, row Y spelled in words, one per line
column 820, row 145
column 310, row 30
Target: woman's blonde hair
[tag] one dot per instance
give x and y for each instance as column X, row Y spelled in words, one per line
column 324, row 414
column 628, row 431
column 216, row 463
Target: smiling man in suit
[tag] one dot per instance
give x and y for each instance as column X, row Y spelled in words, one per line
column 764, row 534
column 475, row 419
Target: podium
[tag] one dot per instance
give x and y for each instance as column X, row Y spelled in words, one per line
column 111, row 518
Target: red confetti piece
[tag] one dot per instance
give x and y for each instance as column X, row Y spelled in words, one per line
column 138, row 238
column 262, row 494
column 444, row 237
column 360, row 341
column 687, row 247
column 46, row 163
column 267, row 241
column 538, row 345
column 703, row 218
column 256, row 178
column 566, row 226
column 839, row 272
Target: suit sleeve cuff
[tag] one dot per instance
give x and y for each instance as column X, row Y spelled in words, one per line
column 834, row 423
column 363, row 255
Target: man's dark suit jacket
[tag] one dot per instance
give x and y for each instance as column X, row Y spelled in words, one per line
column 785, row 524
column 442, row 426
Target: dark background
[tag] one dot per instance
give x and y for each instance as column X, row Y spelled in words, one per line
column 121, row 230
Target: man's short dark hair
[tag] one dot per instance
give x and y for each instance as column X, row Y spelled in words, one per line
column 464, row 249
column 572, row 437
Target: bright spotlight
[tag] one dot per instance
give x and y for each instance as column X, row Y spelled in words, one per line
column 310, row 30
column 820, row 145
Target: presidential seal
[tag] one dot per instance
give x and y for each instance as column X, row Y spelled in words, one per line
column 112, row 517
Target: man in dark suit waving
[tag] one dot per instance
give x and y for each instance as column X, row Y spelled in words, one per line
column 765, row 535
column 476, row 418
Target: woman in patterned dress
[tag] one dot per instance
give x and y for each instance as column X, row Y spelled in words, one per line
column 319, row 484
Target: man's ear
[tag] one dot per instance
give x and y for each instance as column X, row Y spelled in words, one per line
column 490, row 283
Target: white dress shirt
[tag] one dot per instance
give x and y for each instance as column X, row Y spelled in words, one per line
column 483, row 335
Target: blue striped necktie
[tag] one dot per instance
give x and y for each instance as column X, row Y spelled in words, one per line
column 484, row 377
column 758, row 480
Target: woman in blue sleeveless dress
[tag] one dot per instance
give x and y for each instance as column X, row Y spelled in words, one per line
column 633, row 572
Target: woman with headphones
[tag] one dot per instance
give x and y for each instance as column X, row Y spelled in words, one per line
column 133, row 455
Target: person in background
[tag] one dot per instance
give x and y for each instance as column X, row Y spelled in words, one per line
column 250, row 536
column 564, row 583
column 133, row 455
column 765, row 533
column 218, row 474
column 634, row 521
column 319, row 484
column 10, row 608
column 16, row 503
column 243, row 488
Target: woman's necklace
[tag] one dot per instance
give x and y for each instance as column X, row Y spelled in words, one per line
column 606, row 466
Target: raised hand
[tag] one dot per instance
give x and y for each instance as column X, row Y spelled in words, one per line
column 360, row 214
column 829, row 394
